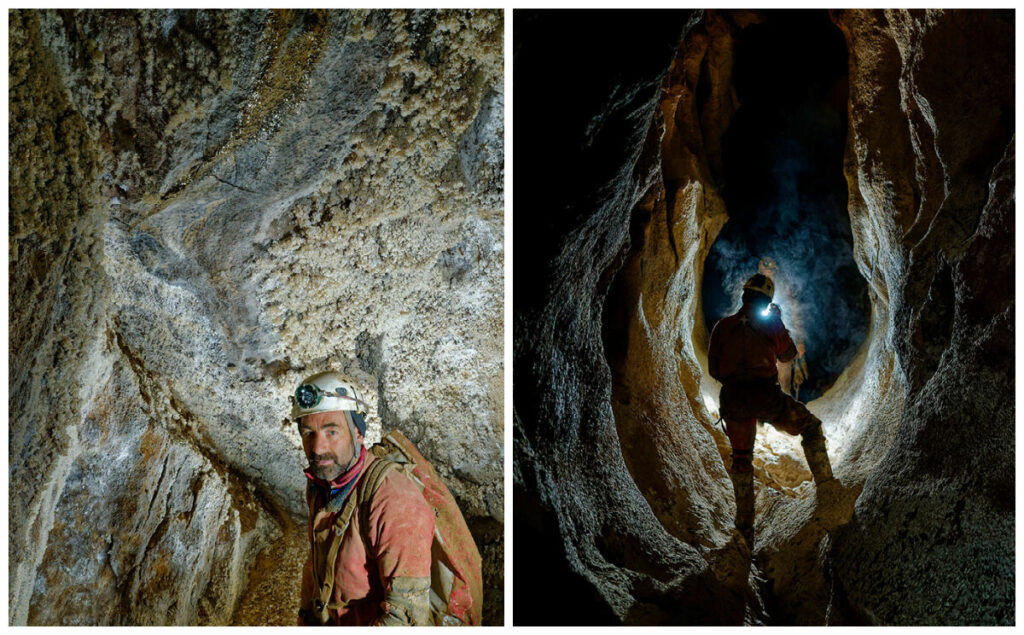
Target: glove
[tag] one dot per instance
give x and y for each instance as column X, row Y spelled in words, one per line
column 774, row 318
column 407, row 603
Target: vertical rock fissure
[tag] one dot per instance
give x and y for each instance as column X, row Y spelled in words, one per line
column 657, row 387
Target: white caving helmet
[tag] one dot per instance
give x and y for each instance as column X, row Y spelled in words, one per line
column 329, row 392
column 762, row 284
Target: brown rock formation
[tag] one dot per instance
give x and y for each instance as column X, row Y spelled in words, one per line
column 606, row 556
column 619, row 475
column 207, row 206
column 933, row 196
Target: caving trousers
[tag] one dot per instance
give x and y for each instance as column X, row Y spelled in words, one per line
column 745, row 401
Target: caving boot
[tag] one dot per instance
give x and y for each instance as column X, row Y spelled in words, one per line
column 813, row 443
column 834, row 499
column 743, row 487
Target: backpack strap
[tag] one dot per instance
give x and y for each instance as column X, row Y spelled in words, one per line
column 360, row 497
column 323, row 603
column 368, row 486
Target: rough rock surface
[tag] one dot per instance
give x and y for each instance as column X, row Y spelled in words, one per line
column 619, row 471
column 932, row 538
column 606, row 556
column 207, row 206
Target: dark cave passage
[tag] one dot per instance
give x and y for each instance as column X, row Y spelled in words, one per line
column 774, row 188
column 785, row 192
column 769, row 92
column 734, row 124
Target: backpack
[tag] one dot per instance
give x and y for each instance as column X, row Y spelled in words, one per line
column 456, row 582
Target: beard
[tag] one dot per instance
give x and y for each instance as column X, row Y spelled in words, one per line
column 325, row 472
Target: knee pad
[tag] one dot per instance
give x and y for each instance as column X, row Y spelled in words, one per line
column 813, row 431
column 742, row 461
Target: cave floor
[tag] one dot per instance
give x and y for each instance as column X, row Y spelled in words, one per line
column 791, row 537
column 262, row 603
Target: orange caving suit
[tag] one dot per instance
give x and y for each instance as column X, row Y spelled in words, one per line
column 743, row 353
column 395, row 555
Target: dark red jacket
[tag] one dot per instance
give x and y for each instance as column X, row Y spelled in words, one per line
column 747, row 344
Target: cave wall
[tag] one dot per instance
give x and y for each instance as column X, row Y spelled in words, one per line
column 930, row 165
column 606, row 556
column 668, row 436
column 924, row 413
column 205, row 207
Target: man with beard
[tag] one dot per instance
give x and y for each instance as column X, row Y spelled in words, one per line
column 370, row 559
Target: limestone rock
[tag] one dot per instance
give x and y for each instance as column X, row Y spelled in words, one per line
column 934, row 525
column 207, row 206
column 607, row 556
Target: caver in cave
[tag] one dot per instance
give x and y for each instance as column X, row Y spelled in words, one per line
column 373, row 515
column 626, row 121
column 743, row 354
column 207, row 206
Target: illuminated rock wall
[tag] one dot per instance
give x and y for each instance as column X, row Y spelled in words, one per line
column 205, row 208
column 930, row 162
column 619, row 471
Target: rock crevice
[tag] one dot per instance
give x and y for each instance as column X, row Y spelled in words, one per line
column 620, row 470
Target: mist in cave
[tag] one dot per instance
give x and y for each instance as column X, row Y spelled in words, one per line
column 784, row 187
column 871, row 154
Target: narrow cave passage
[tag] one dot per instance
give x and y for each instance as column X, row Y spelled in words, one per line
column 785, row 192
column 619, row 467
column 770, row 93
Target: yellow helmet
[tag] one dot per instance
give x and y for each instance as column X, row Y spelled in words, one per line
column 762, row 284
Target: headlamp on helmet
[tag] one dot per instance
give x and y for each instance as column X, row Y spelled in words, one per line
column 326, row 392
column 310, row 395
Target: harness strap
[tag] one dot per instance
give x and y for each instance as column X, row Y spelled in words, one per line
column 372, row 480
column 364, row 491
column 341, row 522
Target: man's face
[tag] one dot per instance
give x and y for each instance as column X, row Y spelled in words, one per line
column 328, row 443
